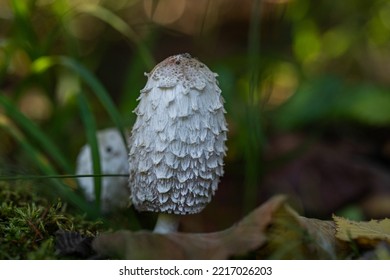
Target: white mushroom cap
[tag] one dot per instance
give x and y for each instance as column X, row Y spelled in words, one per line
column 178, row 140
column 114, row 160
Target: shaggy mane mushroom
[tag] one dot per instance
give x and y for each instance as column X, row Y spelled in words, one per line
column 177, row 143
column 113, row 160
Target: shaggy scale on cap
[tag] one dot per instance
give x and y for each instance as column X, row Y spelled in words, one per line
column 113, row 160
column 178, row 140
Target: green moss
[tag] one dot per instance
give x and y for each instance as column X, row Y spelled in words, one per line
column 29, row 221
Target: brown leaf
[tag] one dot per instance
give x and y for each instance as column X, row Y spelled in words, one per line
column 244, row 237
column 323, row 240
column 364, row 233
column 291, row 236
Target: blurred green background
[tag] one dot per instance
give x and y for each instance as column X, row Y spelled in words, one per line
column 306, row 85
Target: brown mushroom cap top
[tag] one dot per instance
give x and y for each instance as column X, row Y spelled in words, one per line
column 178, row 140
column 183, row 69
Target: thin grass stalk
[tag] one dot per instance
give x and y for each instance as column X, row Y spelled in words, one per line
column 122, row 27
column 39, row 160
column 43, row 63
column 35, row 133
column 253, row 140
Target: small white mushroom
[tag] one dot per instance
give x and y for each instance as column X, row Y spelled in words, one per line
column 178, row 140
column 114, row 160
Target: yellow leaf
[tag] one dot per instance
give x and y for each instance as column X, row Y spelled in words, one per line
column 364, row 233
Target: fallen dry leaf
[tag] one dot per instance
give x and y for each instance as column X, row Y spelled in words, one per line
column 243, row 237
column 291, row 236
column 364, row 233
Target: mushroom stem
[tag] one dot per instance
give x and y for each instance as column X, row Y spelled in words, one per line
column 166, row 223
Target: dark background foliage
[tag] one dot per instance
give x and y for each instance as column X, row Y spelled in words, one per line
column 306, row 86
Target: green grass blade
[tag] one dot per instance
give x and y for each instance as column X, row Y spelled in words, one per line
column 41, row 163
column 24, row 31
column 254, row 52
column 99, row 91
column 31, row 151
column 91, row 131
column 253, row 144
column 44, row 63
column 121, row 26
column 33, row 131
